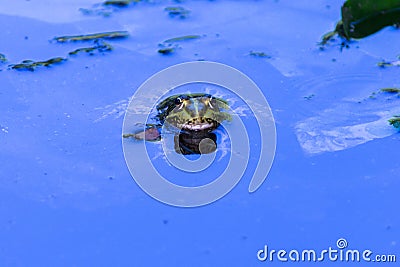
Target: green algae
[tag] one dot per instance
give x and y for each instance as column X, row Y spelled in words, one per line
column 101, row 47
column 384, row 63
column 182, row 38
column 94, row 36
column 177, row 11
column 3, row 58
column 169, row 46
column 32, row 65
column 395, row 121
column 361, row 18
column 259, row 54
column 118, row 3
column 391, row 90
column 167, row 50
column 96, row 11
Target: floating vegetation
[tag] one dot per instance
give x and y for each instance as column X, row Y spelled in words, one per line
column 118, row 3
column 31, row 65
column 372, row 96
column 167, row 50
column 3, row 58
column 100, row 47
column 177, row 11
column 169, row 46
column 309, row 97
column 107, row 7
column 384, row 63
column 361, row 18
column 330, row 35
column 182, row 38
column 96, row 11
column 94, row 36
column 327, row 37
column 391, row 90
column 259, row 54
column 395, row 121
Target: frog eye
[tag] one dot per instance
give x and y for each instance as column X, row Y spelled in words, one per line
column 178, row 101
column 210, row 101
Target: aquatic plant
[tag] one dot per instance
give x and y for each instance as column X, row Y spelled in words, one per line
column 93, row 36
column 391, row 90
column 259, row 54
column 177, row 11
column 182, row 38
column 97, row 11
column 99, row 47
column 361, row 18
column 395, row 121
column 32, row 65
column 119, row 3
column 384, row 63
column 107, row 7
column 3, row 58
column 166, row 50
column 169, row 46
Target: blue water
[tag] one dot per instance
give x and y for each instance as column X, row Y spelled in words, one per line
column 67, row 197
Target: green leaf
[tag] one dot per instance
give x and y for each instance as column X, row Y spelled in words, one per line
column 364, row 17
column 3, row 58
column 395, row 122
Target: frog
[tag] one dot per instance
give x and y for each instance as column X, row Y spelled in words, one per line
column 192, row 117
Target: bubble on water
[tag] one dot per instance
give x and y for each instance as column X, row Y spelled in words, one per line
column 4, row 129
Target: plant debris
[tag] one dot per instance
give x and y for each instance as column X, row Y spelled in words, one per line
column 177, row 11
column 167, row 50
column 259, row 54
column 169, row 46
column 361, row 18
column 384, row 63
column 118, row 3
column 182, row 38
column 309, row 97
column 31, row 65
column 3, row 58
column 94, row 36
column 107, row 7
column 97, row 11
column 395, row 121
column 100, row 47
column 391, row 90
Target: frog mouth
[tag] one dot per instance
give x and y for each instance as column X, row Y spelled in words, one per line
column 199, row 124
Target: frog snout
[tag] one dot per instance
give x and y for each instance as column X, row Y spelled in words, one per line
column 198, row 109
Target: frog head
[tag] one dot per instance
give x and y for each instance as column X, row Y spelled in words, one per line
column 193, row 112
